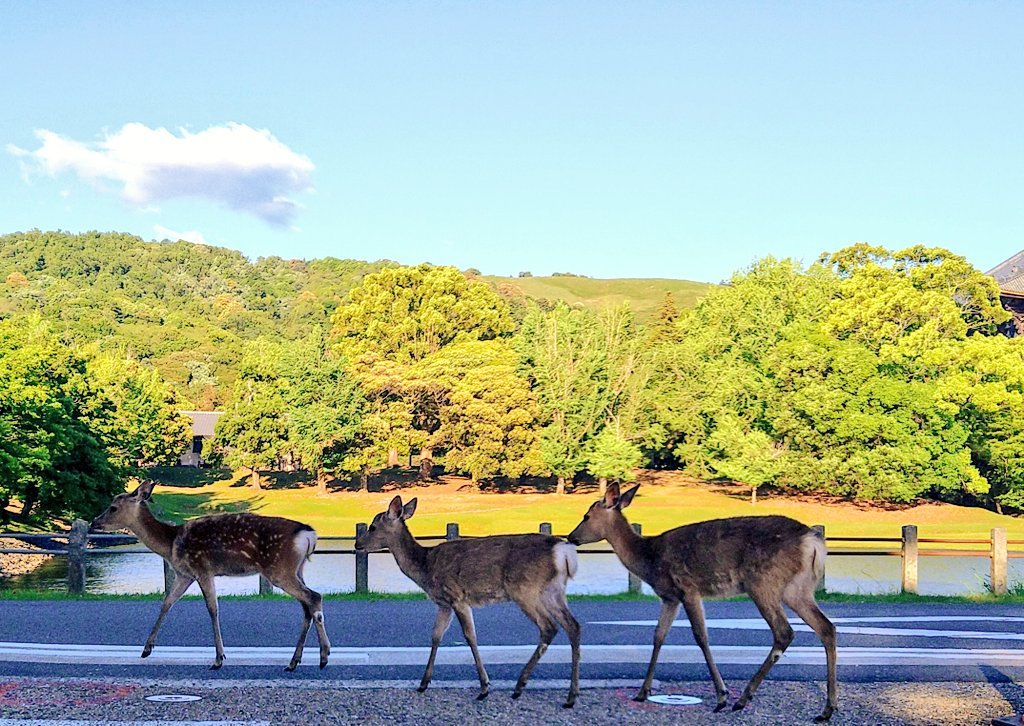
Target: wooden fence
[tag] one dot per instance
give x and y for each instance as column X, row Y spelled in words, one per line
column 77, row 550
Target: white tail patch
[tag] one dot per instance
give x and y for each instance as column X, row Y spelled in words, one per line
column 814, row 549
column 566, row 561
column 305, row 543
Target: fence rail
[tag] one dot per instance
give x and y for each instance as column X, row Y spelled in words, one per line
column 77, row 551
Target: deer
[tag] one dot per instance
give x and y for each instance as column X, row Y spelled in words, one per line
column 223, row 544
column 773, row 559
column 531, row 570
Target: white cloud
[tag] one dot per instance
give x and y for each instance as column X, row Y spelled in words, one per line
column 242, row 168
column 190, row 236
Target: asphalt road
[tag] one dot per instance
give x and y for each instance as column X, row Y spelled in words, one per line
column 877, row 642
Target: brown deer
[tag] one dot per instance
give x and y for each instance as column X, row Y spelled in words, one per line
column 531, row 570
column 223, row 544
column 773, row 559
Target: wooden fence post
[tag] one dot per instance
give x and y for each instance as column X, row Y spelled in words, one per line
column 634, row 581
column 168, row 576
column 820, row 587
column 545, row 527
column 362, row 563
column 77, row 540
column 451, row 531
column 909, row 584
column 998, row 583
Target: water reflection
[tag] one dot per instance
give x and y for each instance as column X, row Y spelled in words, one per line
column 118, row 573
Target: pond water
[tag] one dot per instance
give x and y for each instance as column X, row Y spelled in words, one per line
column 116, row 572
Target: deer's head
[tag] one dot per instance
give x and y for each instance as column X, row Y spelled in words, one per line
column 386, row 526
column 123, row 511
column 602, row 516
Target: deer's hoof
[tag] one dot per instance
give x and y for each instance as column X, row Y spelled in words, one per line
column 738, row 706
column 146, row 651
column 640, row 697
column 825, row 716
column 570, row 703
column 482, row 696
column 720, row 707
column 290, row 667
column 216, row 666
column 421, row 689
column 516, row 694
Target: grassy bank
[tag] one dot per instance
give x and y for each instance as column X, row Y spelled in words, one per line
column 665, row 500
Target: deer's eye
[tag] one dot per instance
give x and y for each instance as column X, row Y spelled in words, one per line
column 373, row 527
column 586, row 517
column 113, row 508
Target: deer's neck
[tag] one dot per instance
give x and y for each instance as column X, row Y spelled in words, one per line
column 158, row 536
column 630, row 548
column 411, row 557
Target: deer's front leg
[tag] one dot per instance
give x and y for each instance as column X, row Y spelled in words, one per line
column 669, row 609
column 181, row 583
column 695, row 612
column 441, row 623
column 465, row 615
column 210, row 595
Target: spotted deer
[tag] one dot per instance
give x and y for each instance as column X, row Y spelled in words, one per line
column 223, row 544
column 773, row 559
column 531, row 570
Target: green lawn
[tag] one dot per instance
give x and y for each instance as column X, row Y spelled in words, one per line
column 666, row 500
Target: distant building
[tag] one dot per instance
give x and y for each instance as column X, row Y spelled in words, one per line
column 1009, row 275
column 203, row 423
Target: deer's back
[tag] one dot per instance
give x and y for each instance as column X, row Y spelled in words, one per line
column 238, row 544
column 724, row 557
column 491, row 569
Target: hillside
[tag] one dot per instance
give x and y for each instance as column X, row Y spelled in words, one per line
column 645, row 296
column 189, row 308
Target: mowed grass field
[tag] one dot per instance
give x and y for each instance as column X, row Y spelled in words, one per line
column 665, row 500
column 645, row 296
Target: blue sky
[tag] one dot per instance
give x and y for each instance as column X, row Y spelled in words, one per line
column 607, row 139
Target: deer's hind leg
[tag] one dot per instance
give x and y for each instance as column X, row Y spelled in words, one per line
column 770, row 605
column 571, row 627
column 312, row 610
column 548, row 629
column 805, row 606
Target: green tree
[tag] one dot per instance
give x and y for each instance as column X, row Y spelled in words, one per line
column 327, row 412
column 488, row 418
column 562, row 355
column 253, row 432
column 609, row 456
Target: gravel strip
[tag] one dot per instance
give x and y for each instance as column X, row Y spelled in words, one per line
column 777, row 703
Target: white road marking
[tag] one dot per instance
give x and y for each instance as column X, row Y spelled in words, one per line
column 338, row 685
column 842, row 627
column 514, row 654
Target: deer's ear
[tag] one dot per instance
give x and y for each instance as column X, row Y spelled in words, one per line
column 144, row 490
column 395, row 508
column 626, row 498
column 611, row 496
column 409, row 509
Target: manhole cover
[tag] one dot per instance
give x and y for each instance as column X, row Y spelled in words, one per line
column 675, row 699
column 173, row 698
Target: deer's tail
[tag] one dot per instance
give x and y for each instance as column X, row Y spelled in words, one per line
column 305, row 540
column 566, row 561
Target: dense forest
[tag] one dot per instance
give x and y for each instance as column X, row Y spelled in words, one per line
column 870, row 374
